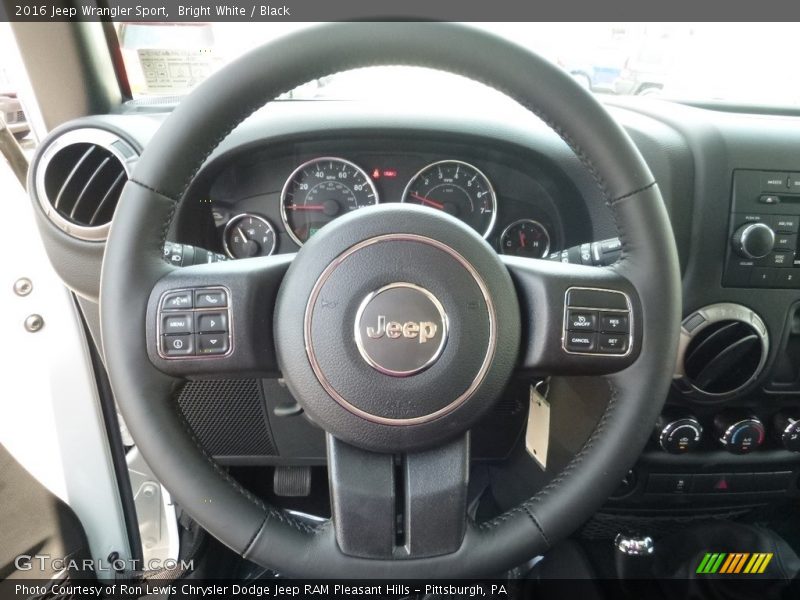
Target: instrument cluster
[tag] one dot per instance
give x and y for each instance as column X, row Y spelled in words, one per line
column 258, row 212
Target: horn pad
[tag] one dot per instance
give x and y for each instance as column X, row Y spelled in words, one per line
column 389, row 329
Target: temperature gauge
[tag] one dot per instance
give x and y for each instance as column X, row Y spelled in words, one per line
column 527, row 238
column 248, row 235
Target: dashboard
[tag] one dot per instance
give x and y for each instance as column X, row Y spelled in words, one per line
column 729, row 434
column 272, row 200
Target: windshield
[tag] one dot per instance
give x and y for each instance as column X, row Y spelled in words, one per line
column 745, row 63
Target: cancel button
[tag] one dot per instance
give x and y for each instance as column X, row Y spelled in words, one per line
column 578, row 341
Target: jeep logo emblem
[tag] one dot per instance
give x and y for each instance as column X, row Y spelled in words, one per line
column 412, row 340
column 423, row 331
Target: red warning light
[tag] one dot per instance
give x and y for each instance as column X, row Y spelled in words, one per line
column 390, row 172
column 376, row 174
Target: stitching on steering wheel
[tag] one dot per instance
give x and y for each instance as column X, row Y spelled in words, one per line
column 578, row 458
column 526, row 506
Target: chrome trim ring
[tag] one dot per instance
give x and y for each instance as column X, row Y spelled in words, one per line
column 323, row 380
column 493, row 220
column 288, row 182
column 535, row 222
column 235, row 218
column 85, row 135
column 160, row 312
column 711, row 314
column 360, row 342
column 568, row 308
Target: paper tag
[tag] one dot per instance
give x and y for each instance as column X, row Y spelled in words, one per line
column 537, row 435
column 174, row 71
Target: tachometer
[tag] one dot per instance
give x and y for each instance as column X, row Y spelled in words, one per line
column 320, row 190
column 457, row 188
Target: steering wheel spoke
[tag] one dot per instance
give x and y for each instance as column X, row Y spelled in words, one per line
column 216, row 318
column 410, row 505
column 577, row 320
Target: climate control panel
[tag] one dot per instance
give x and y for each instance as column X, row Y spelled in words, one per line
column 736, row 431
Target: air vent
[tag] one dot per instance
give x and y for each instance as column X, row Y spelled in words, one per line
column 79, row 180
column 723, row 350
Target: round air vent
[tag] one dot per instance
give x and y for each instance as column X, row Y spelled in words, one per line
column 79, row 178
column 722, row 351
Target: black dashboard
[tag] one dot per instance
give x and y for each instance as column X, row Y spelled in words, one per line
column 727, row 438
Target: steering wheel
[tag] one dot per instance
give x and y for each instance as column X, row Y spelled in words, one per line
column 395, row 327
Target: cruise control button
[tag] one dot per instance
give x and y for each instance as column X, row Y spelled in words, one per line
column 211, row 322
column 176, row 323
column 613, row 343
column 614, row 323
column 212, row 343
column 581, row 342
column 591, row 298
column 210, row 299
column 177, row 300
column 579, row 320
column 177, row 345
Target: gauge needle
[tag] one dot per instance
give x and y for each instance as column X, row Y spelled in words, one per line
column 521, row 239
column 305, row 207
column 241, row 233
column 427, row 201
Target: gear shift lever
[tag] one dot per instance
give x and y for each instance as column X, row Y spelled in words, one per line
column 633, row 556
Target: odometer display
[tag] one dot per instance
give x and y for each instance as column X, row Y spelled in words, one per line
column 457, row 188
column 320, row 190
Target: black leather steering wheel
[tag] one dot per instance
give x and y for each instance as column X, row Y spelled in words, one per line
column 457, row 321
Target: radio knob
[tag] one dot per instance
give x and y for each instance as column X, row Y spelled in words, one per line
column 739, row 435
column 753, row 240
column 678, row 436
column 787, row 430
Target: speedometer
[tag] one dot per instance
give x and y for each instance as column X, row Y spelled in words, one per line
column 320, row 190
column 457, row 188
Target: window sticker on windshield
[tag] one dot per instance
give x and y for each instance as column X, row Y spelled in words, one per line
column 174, row 71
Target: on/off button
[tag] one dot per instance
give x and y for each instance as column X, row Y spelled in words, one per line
column 581, row 320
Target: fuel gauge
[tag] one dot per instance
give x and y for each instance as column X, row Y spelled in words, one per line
column 247, row 235
column 526, row 238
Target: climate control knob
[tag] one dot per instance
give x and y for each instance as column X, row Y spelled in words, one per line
column 679, row 435
column 753, row 240
column 787, row 430
column 739, row 435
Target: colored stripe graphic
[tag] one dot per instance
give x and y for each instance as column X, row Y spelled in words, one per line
column 734, row 563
